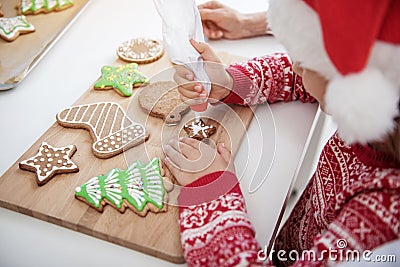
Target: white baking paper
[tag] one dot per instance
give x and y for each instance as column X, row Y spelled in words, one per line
column 181, row 22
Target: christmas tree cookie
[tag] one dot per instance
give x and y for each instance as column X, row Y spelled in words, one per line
column 122, row 79
column 31, row 7
column 140, row 188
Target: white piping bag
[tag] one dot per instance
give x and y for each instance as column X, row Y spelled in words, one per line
column 181, row 22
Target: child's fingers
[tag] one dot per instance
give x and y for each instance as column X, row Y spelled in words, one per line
column 205, row 51
column 224, row 152
column 191, row 90
column 211, row 5
column 177, row 158
column 216, row 34
column 189, row 93
column 204, row 149
column 193, row 101
column 183, row 73
column 176, row 172
column 191, row 142
column 186, row 150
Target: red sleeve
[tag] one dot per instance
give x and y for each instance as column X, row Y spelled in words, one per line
column 218, row 232
column 367, row 221
column 269, row 78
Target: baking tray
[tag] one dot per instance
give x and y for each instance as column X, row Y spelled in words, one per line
column 19, row 57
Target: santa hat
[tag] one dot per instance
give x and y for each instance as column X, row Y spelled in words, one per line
column 355, row 44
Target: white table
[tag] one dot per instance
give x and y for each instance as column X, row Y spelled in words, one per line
column 69, row 68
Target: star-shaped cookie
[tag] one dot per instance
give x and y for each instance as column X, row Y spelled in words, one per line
column 50, row 161
column 11, row 28
column 122, row 78
column 197, row 129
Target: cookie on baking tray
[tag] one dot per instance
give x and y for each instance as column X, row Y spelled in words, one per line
column 121, row 78
column 33, row 7
column 140, row 50
column 140, row 187
column 11, row 28
column 199, row 130
column 50, row 161
column 162, row 100
column 111, row 129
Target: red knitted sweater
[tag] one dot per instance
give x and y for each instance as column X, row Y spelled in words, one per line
column 351, row 204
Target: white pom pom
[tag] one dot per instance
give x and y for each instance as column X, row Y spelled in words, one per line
column 363, row 105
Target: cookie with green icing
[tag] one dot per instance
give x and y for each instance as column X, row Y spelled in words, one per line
column 11, row 28
column 32, row 7
column 140, row 188
column 121, row 78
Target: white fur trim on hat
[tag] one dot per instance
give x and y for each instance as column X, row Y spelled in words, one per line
column 363, row 105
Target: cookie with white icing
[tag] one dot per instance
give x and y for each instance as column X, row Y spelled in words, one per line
column 197, row 129
column 162, row 100
column 140, row 187
column 140, row 50
column 33, row 7
column 11, row 28
column 111, row 129
column 50, row 161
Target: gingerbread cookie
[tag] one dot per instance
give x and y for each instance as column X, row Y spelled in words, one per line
column 32, row 7
column 112, row 130
column 11, row 28
column 50, row 161
column 140, row 188
column 197, row 129
column 162, row 100
column 140, row 50
column 121, row 78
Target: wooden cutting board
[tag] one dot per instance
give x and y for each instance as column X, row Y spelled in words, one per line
column 156, row 234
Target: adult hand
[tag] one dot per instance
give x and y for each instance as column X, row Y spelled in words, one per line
column 193, row 92
column 189, row 159
column 220, row 21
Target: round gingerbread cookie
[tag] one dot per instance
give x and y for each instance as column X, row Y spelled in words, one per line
column 140, row 50
column 162, row 100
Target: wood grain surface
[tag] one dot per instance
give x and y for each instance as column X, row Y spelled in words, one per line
column 155, row 234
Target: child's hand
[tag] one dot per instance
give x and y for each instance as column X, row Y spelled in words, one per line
column 193, row 92
column 189, row 159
